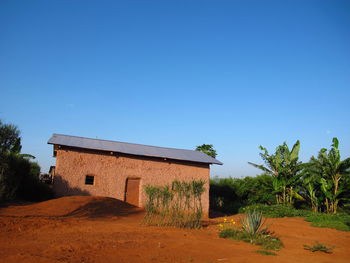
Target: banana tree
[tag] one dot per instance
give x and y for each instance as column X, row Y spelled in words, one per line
column 285, row 168
column 312, row 190
column 331, row 170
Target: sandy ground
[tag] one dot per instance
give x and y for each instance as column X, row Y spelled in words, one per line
column 96, row 229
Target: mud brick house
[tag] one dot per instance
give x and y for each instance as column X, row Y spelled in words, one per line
column 120, row 170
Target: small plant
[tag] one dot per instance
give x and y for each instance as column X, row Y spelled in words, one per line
column 252, row 222
column 265, row 252
column 319, row 247
column 266, row 240
column 226, row 233
column 250, row 231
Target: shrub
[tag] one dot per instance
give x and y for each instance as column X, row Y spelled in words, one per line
column 275, row 210
column 19, row 179
column 180, row 205
column 227, row 195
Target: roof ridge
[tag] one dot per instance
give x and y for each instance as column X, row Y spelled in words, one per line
column 126, row 142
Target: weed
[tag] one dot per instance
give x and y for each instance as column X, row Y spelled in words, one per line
column 319, row 247
column 266, row 241
column 265, row 252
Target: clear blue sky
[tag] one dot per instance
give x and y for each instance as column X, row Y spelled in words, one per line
column 235, row 74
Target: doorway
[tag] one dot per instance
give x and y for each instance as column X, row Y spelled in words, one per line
column 132, row 191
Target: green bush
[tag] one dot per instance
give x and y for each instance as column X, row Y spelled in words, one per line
column 228, row 195
column 19, row 179
column 276, row 210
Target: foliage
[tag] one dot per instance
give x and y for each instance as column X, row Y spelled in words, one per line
column 207, row 149
column 254, row 235
column 275, row 210
column 340, row 221
column 180, row 205
column 229, row 194
column 19, row 176
column 266, row 241
column 252, row 222
column 319, row 247
column 10, row 140
column 285, row 168
column 325, row 176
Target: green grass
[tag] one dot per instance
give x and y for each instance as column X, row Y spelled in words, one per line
column 337, row 221
column 265, row 240
column 340, row 221
column 319, row 247
column 265, row 252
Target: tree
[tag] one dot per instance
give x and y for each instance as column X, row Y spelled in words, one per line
column 19, row 176
column 285, row 168
column 10, row 140
column 330, row 171
column 207, row 149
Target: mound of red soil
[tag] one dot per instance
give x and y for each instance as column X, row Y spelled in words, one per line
column 77, row 206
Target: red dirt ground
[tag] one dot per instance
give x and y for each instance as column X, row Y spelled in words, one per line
column 96, row 229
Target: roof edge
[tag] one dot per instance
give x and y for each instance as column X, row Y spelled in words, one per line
column 215, row 161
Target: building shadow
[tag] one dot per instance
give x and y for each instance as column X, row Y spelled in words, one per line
column 62, row 188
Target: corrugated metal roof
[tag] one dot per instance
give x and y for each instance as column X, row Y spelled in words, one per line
column 131, row 148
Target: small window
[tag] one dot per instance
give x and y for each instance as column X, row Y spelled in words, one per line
column 89, row 179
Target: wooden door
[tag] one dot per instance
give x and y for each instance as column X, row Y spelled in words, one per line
column 132, row 191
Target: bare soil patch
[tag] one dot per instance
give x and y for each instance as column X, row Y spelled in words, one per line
column 97, row 229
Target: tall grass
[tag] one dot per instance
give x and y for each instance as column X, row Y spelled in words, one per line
column 179, row 205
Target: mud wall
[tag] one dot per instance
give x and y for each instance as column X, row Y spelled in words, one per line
column 111, row 171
